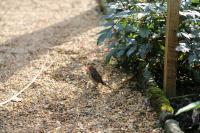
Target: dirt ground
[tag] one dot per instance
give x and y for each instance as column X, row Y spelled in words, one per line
column 62, row 99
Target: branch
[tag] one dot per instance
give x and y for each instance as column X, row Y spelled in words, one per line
column 28, row 85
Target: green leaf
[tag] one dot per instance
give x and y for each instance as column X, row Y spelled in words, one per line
column 131, row 50
column 147, row 73
column 112, row 45
column 104, row 35
column 101, row 38
column 143, row 32
column 130, row 28
column 109, row 34
column 183, row 47
column 110, row 55
column 121, row 53
column 144, row 48
column 186, row 35
column 119, row 27
column 189, row 107
column 109, row 16
column 196, row 74
column 104, row 31
column 107, row 59
column 195, row 1
column 108, row 24
column 192, row 58
column 124, row 14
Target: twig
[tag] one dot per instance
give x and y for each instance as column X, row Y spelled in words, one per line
column 28, row 85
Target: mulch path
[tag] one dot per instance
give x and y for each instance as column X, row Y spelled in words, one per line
column 62, row 99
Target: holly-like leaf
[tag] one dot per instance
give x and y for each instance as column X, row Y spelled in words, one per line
column 183, row 48
column 131, row 50
column 143, row 50
column 192, row 57
column 186, row 35
column 196, row 74
column 147, row 73
column 108, row 24
column 119, row 27
column 112, row 45
column 130, row 28
column 107, row 59
column 120, row 53
column 110, row 55
column 190, row 13
column 141, row 14
column 124, row 14
column 143, row 32
column 101, row 38
column 107, row 33
column 131, row 41
column 189, row 107
column 109, row 16
column 114, row 5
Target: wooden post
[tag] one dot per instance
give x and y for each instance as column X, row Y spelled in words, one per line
column 171, row 42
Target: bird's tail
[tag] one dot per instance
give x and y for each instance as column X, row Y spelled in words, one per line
column 106, row 85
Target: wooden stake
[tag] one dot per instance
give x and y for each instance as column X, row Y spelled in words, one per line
column 171, row 42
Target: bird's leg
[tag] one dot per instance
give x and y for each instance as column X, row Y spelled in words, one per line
column 87, row 86
column 92, row 85
column 95, row 85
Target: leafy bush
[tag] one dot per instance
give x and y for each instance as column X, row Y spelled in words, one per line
column 136, row 34
column 194, row 106
column 189, row 42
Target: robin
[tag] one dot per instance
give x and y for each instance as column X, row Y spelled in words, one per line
column 95, row 76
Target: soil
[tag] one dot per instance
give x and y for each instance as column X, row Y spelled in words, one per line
column 62, row 99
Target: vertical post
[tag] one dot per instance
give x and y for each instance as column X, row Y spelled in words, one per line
column 171, row 42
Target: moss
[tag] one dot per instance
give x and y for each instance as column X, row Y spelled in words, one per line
column 158, row 99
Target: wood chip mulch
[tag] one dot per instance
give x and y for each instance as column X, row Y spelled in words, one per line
column 62, row 99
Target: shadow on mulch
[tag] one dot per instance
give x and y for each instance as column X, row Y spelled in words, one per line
column 51, row 36
column 101, row 107
column 92, row 104
column 102, row 111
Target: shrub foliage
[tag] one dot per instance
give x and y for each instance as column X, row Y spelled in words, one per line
column 136, row 34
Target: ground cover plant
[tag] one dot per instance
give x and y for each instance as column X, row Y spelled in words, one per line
column 135, row 35
column 136, row 31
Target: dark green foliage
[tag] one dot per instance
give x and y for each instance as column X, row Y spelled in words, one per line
column 136, row 32
column 158, row 99
column 189, row 42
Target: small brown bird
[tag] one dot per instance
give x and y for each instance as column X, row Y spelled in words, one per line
column 95, row 76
